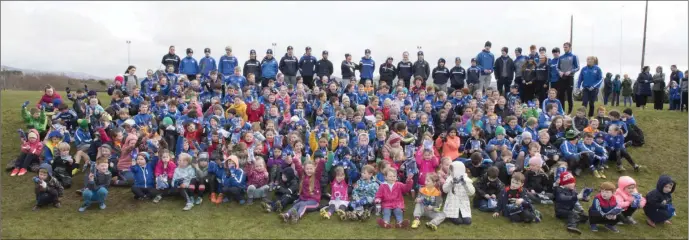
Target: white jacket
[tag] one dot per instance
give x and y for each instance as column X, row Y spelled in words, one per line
column 458, row 194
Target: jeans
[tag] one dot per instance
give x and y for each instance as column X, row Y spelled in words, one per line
column 674, row 104
column 124, row 178
column 94, row 196
column 233, row 193
column 589, row 98
column 398, row 214
column 504, row 85
column 483, row 206
column 291, row 80
column 257, row 192
column 627, row 98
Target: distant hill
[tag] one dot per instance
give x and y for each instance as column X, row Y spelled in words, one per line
column 73, row 75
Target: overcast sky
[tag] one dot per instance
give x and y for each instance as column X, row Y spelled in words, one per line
column 90, row 37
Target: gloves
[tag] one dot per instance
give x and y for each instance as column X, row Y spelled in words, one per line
column 43, row 184
column 25, row 104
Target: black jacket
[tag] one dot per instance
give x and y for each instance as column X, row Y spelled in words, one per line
column 387, row 72
column 499, row 64
column 289, row 188
column 542, row 73
column 457, row 76
column 252, row 66
column 421, row 68
column 289, row 65
column 440, row 75
column 405, row 69
column 324, row 68
column 484, row 186
column 171, row 59
column 347, row 71
column 565, row 200
column 537, row 181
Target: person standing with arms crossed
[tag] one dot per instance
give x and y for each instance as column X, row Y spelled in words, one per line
column 324, row 68
column 567, row 66
column 421, row 68
column 485, row 60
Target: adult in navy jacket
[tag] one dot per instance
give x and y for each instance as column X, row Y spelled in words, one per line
column 567, row 66
column 441, row 75
column 252, row 66
column 269, row 68
column 387, row 72
column 188, row 66
column 207, row 63
column 421, row 68
column 307, row 67
column 485, row 60
column 289, row 65
column 171, row 59
column 505, row 71
column 227, row 63
column 405, row 69
column 348, row 68
column 644, row 90
column 324, row 67
column 368, row 66
column 589, row 82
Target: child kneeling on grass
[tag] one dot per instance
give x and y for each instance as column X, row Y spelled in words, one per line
column 48, row 190
column 309, row 187
column 428, row 203
column 659, row 207
column 389, row 196
column 97, row 185
column 182, row 177
column 604, row 209
column 628, row 198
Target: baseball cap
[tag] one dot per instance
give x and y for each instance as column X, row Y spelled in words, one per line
column 207, row 50
column 541, row 49
column 252, row 51
column 325, row 52
column 367, row 51
column 270, row 51
column 420, row 53
column 289, row 47
column 228, row 48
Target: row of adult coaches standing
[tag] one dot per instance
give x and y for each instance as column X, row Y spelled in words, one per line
column 404, row 70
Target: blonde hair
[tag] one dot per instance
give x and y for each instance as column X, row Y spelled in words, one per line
column 185, row 157
column 63, row 146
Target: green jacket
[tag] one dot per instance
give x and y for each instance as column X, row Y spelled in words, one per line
column 39, row 123
column 627, row 87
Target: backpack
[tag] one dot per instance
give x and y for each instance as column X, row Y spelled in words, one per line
column 635, row 135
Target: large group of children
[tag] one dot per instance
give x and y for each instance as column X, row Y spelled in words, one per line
column 358, row 146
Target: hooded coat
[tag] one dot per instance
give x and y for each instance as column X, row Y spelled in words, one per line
column 624, row 199
column 289, row 188
column 655, row 209
column 53, row 186
column 125, row 160
column 458, row 194
column 32, row 147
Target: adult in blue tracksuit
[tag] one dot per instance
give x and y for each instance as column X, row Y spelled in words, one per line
column 207, row 63
column 368, row 66
column 505, row 71
column 485, row 60
column 269, row 68
column 568, row 65
column 252, row 66
column 441, row 75
column 644, row 81
column 554, row 75
column 188, row 66
column 289, row 65
column 458, row 74
column 589, row 82
column 144, row 178
column 307, row 67
column 227, row 63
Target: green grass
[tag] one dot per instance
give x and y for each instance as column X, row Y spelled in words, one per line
column 665, row 152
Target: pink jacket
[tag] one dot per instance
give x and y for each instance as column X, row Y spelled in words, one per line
column 339, row 190
column 391, row 197
column 425, row 166
column 33, row 148
column 625, row 199
column 170, row 170
column 125, row 160
column 256, row 178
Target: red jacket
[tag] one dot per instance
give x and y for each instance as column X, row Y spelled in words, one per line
column 391, row 198
column 170, row 170
column 33, row 148
column 256, row 178
column 255, row 115
column 48, row 99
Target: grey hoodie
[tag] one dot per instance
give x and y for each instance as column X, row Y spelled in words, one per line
column 184, row 174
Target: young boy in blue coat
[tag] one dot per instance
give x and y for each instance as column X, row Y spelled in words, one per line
column 233, row 181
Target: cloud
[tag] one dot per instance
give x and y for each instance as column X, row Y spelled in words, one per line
column 90, row 37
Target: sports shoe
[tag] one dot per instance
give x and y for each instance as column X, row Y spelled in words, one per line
column 219, row 199
column 35, row 208
column 324, row 213
column 636, row 168
column 83, row 207
column 278, row 206
column 57, row 205
column 366, row 215
column 351, row 216
column 250, row 201
column 199, row 200
column 415, row 224
column 620, row 168
column 157, row 198
column 612, row 228
column 404, row 224
column 213, row 197
column 242, row 202
column 432, row 226
column 188, row 206
column 341, row 214
column 75, row 171
column 15, row 171
column 413, row 194
column 284, row 217
column 547, row 202
column 21, row 172
column 596, row 174
column 631, row 220
column 650, row 223
column 294, row 217
column 102, row 206
column 383, row 224
column 574, row 230
column 594, row 228
column 266, row 206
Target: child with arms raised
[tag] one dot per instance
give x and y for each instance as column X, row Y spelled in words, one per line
column 309, row 187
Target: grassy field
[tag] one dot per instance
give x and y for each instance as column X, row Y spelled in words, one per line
column 665, row 152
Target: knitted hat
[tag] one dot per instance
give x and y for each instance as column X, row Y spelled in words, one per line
column 92, row 93
column 145, row 154
column 167, row 121
column 488, row 44
column 527, row 135
column 83, row 123
column 318, row 154
column 119, row 78
column 567, row 178
column 571, row 135
column 233, row 159
column 54, row 133
column 57, row 101
column 361, row 126
column 499, row 130
column 32, row 134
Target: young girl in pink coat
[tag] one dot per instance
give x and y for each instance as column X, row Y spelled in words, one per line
column 389, row 197
column 427, row 162
column 628, row 198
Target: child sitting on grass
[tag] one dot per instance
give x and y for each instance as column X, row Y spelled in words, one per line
column 389, row 196
column 363, row 194
column 616, row 146
column 30, row 149
column 257, row 179
column 309, row 187
column 458, row 187
column 47, row 189
column 62, row 165
column 182, row 177
column 488, row 189
column 428, row 204
column 604, row 209
column 515, row 204
column 339, row 199
column 537, row 183
column 144, row 180
column 97, row 185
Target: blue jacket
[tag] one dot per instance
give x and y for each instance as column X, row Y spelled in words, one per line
column 614, row 143
column 227, row 65
column 269, row 68
column 144, row 120
column 485, row 60
column 544, row 120
column 368, row 66
column 82, row 136
column 144, row 176
column 307, row 65
column 235, row 178
column 568, row 149
column 554, row 75
column 237, row 81
column 146, row 86
column 557, row 102
column 593, row 148
column 189, row 66
column 590, row 76
column 207, row 64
